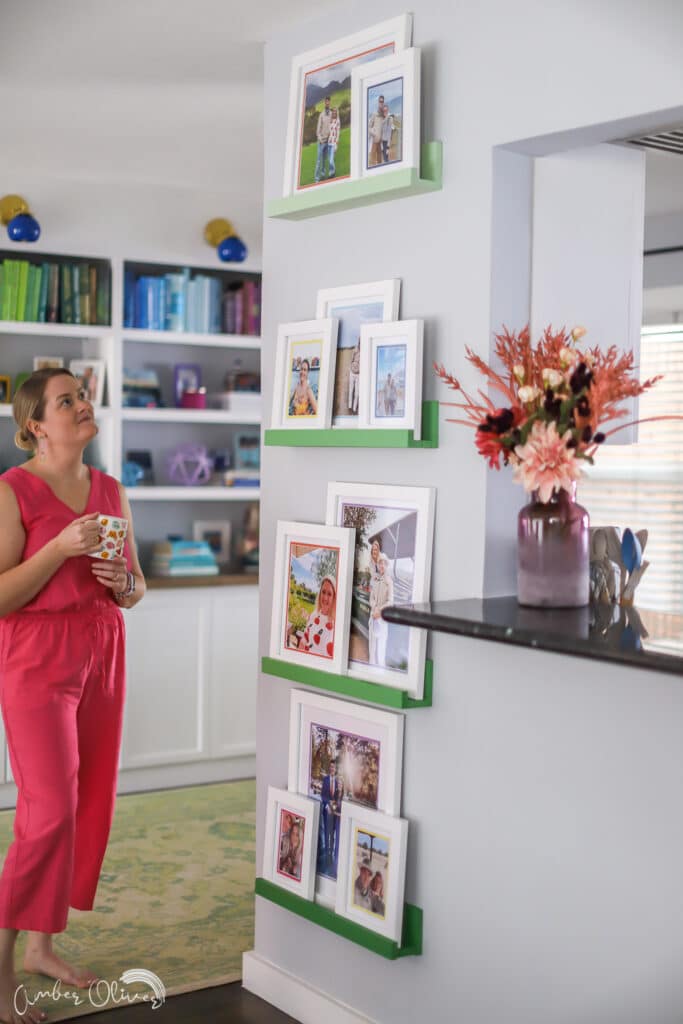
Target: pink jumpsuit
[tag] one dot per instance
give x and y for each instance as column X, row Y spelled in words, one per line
column 62, row 689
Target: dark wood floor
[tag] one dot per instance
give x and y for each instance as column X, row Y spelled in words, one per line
column 223, row 1004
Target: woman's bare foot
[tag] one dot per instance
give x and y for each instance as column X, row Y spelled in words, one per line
column 9, row 984
column 40, row 958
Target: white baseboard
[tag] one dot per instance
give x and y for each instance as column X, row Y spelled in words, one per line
column 294, row 996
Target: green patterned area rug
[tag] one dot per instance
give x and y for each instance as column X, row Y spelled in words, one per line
column 175, row 897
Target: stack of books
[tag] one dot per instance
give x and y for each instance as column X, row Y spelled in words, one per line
column 67, row 293
column 189, row 302
column 242, row 477
column 183, row 558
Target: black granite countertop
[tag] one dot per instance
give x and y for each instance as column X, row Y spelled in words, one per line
column 638, row 637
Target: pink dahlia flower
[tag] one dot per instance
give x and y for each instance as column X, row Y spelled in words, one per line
column 545, row 461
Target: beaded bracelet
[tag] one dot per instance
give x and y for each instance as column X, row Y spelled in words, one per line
column 130, row 588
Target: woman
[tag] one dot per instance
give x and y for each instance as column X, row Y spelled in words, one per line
column 302, row 401
column 319, row 632
column 381, row 595
column 291, row 864
column 377, row 894
column 62, row 673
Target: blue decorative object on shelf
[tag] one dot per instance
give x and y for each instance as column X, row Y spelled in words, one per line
column 232, row 250
column 24, row 228
column 131, row 474
column 631, row 551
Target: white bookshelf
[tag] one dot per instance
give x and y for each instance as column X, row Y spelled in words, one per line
column 245, row 342
column 157, row 430
column 189, row 416
column 199, row 493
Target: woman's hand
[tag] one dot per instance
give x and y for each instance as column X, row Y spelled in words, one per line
column 112, row 573
column 80, row 537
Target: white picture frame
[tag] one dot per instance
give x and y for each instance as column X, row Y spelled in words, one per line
column 294, row 872
column 303, row 342
column 352, row 306
column 388, row 347
column 326, row 61
column 218, row 534
column 402, row 527
column 398, row 77
column 316, row 718
column 300, row 626
column 48, row 363
column 371, row 878
column 90, row 373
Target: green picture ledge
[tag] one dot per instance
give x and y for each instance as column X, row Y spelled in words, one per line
column 325, row 918
column 347, row 194
column 349, row 686
column 341, row 437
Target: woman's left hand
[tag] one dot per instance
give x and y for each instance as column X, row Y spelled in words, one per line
column 111, row 573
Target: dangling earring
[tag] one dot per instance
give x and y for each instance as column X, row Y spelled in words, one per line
column 42, row 448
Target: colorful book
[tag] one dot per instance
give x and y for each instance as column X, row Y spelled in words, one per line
column 42, row 293
column 92, row 279
column 84, row 292
column 22, row 289
column 66, row 310
column 53, row 294
column 75, row 293
column 102, row 303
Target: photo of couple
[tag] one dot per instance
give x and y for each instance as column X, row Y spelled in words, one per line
column 383, row 574
column 312, row 599
column 372, row 872
column 343, row 767
column 347, row 368
column 325, row 134
column 390, row 377
column 291, row 844
column 385, row 122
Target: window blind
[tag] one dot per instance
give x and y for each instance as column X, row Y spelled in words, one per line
column 641, row 485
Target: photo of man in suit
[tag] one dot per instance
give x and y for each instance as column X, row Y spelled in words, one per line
column 331, row 797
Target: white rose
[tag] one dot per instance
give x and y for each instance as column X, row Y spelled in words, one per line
column 518, row 372
column 528, row 394
column 552, row 378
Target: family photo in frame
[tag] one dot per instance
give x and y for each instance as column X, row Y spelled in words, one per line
column 312, row 595
column 342, row 752
column 320, row 126
column 393, row 528
column 354, row 306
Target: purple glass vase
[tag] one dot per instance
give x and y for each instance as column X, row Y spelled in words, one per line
column 553, row 546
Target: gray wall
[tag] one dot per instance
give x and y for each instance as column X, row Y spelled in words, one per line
column 544, row 847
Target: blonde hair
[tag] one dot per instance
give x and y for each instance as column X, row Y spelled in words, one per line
column 29, row 404
column 332, row 583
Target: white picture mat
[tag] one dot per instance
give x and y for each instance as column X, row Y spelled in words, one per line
column 406, row 65
column 324, row 329
column 78, row 367
column 384, row 727
column 373, row 337
column 324, row 536
column 396, row 831
column 423, row 501
column 388, row 293
column 397, row 30
column 304, row 807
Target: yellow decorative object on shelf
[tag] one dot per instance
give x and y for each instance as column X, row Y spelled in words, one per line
column 11, row 206
column 218, row 229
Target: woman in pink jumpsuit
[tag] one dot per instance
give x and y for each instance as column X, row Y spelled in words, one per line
column 62, row 674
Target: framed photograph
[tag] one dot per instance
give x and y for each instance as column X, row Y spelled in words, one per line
column 312, row 595
column 5, row 389
column 90, row 375
column 217, row 534
column 290, row 843
column 247, row 449
column 353, row 306
column 385, row 122
column 372, row 870
column 391, row 376
column 319, row 125
column 342, row 752
column 394, row 529
column 186, row 377
column 304, row 373
column 48, row 363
